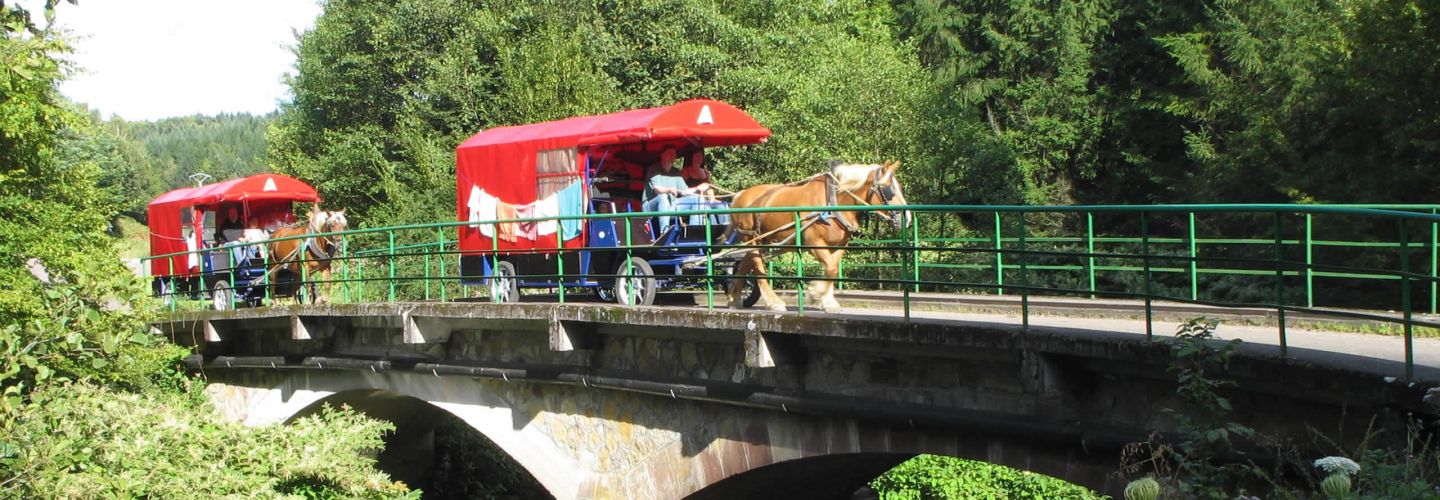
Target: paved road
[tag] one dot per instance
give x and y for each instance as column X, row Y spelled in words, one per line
column 1383, row 355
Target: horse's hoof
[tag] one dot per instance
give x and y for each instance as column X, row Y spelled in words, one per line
column 777, row 307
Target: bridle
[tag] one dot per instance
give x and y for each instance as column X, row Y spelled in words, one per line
column 885, row 192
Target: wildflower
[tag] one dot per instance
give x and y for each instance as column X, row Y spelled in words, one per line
column 1332, row 465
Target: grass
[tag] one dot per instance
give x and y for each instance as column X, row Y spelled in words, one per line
column 133, row 242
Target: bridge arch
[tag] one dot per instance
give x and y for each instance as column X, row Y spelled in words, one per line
column 435, row 450
column 586, row 442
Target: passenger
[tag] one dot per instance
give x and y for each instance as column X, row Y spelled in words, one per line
column 696, row 175
column 254, row 234
column 232, row 222
column 663, row 186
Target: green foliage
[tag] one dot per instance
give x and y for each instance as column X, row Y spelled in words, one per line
column 69, row 444
column 385, row 90
column 934, row 476
column 92, row 404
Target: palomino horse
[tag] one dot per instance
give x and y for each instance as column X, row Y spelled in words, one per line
column 826, row 233
column 314, row 253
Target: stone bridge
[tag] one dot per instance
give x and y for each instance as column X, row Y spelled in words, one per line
column 599, row 401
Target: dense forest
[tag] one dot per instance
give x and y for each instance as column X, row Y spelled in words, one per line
column 1023, row 101
column 142, row 159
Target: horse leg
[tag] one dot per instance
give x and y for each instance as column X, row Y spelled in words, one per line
column 768, row 298
column 321, row 288
column 735, row 290
column 832, row 271
column 818, row 289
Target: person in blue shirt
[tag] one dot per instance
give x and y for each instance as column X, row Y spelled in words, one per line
column 664, row 185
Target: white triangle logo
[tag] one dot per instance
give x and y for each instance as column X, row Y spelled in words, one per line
column 270, row 185
column 705, row 118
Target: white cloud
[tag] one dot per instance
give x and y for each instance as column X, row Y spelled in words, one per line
column 148, row 59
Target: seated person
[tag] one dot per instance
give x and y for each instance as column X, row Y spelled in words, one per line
column 663, row 187
column 695, row 173
column 230, row 228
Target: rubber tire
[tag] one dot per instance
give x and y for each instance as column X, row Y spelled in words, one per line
column 506, row 275
column 222, row 297
column 644, row 277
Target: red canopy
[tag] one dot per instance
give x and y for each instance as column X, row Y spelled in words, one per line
column 712, row 123
column 502, row 161
column 253, row 188
column 164, row 212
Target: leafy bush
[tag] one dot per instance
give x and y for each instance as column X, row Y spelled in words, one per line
column 68, row 442
column 934, row 476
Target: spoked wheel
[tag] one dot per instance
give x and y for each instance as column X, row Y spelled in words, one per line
column 637, row 288
column 504, row 283
column 221, row 296
column 750, row 293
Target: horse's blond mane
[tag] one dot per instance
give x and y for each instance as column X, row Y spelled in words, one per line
column 853, row 176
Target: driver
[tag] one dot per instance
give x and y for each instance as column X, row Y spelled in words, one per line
column 663, row 184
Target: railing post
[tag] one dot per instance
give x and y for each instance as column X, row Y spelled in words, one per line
column 1405, row 301
column 911, row 245
column 1434, row 259
column 440, row 235
column 167, row 294
column 1194, row 260
column 1090, row 250
column 914, row 249
column 1280, row 283
column 709, row 264
column 560, row 261
column 799, row 283
column 304, row 277
column 427, row 276
column 495, row 261
column 345, row 270
column 1145, row 260
column 230, row 271
column 391, row 235
column 629, row 273
column 1309, row 260
column 1024, row 277
column 999, row 259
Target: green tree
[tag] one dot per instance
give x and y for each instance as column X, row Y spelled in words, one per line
column 384, row 91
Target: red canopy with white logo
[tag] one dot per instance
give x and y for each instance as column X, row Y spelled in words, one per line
column 165, row 211
column 502, row 162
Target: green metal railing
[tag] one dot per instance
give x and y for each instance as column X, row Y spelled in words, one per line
column 1260, row 256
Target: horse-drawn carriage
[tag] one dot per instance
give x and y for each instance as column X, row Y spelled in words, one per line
column 216, row 225
column 589, row 165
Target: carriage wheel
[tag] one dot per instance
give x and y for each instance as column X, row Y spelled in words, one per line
column 221, row 297
column 504, row 284
column 637, row 288
column 751, row 288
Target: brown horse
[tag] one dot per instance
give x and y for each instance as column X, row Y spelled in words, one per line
column 314, row 253
column 825, row 232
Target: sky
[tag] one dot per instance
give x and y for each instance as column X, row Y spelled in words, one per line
column 150, row 59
